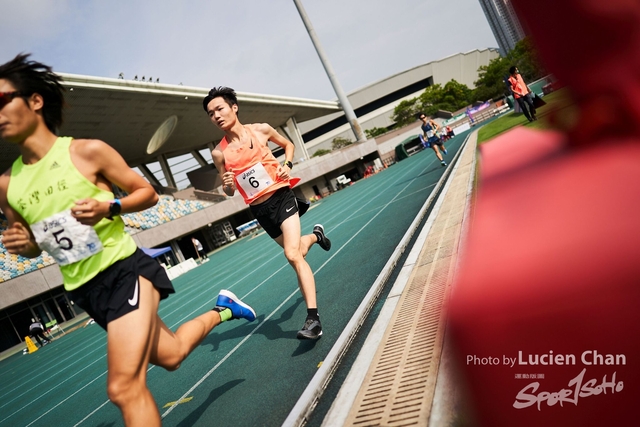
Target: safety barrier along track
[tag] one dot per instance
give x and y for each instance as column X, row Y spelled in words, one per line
column 319, row 382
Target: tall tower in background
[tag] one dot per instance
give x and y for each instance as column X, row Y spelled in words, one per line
column 504, row 23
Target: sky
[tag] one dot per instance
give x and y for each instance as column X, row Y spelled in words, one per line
column 256, row 46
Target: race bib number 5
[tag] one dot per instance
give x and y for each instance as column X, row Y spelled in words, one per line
column 254, row 180
column 66, row 239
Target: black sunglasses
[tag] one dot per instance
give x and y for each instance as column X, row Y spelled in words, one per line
column 423, row 117
column 7, row 97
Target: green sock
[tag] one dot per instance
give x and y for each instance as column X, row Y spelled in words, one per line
column 224, row 312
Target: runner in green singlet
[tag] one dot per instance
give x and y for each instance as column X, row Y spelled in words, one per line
column 58, row 197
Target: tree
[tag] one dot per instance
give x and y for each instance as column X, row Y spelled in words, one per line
column 405, row 112
column 321, row 152
column 373, row 132
column 452, row 97
column 340, row 143
column 526, row 59
column 491, row 79
column 491, row 83
column 429, row 101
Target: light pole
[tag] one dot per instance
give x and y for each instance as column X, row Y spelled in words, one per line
column 344, row 101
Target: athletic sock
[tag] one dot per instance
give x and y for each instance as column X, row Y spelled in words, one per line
column 312, row 313
column 224, row 312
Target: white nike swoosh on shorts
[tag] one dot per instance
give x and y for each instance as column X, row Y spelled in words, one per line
column 134, row 300
column 289, row 210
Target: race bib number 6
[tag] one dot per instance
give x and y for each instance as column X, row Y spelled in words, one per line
column 66, row 239
column 254, row 180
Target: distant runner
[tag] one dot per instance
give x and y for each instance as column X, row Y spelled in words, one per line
column 430, row 128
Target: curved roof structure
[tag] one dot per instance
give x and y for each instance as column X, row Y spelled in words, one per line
column 127, row 113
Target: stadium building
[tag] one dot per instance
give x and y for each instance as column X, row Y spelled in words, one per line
column 162, row 132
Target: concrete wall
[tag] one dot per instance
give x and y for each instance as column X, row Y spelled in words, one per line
column 311, row 172
column 29, row 285
column 316, row 171
column 462, row 67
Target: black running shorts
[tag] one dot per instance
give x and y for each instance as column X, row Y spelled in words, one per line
column 272, row 213
column 114, row 292
column 435, row 140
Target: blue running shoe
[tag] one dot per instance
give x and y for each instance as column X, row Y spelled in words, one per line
column 239, row 309
column 444, row 150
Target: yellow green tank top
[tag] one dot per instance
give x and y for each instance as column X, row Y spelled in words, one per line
column 53, row 185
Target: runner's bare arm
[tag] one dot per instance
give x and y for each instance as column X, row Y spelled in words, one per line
column 273, row 136
column 228, row 185
column 17, row 238
column 103, row 165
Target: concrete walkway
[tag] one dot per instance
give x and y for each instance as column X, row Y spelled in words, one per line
column 402, row 375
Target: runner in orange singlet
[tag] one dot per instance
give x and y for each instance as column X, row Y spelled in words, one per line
column 246, row 164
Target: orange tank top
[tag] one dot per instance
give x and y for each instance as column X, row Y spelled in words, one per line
column 254, row 166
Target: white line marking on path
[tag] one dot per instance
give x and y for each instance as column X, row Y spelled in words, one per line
column 370, row 200
column 212, row 370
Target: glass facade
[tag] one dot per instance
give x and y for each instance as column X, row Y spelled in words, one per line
column 15, row 320
column 504, row 23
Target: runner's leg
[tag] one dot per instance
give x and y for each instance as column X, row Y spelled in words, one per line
column 170, row 348
column 435, row 149
column 37, row 338
column 525, row 108
column 295, row 249
column 129, row 343
column 138, row 338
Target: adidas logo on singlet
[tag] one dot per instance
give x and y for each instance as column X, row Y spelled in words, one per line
column 54, row 165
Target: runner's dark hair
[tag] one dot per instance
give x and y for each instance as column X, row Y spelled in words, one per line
column 228, row 94
column 29, row 77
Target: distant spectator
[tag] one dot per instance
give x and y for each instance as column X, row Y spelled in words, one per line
column 522, row 94
column 368, row 171
column 450, row 132
column 36, row 330
column 443, row 135
column 199, row 248
column 469, row 115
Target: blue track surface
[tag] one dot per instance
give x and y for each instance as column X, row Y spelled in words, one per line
column 243, row 373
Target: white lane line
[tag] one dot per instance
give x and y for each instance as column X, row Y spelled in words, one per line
column 212, row 370
column 92, row 412
column 186, row 394
column 318, row 383
column 50, row 390
column 78, row 391
column 370, row 200
column 58, row 370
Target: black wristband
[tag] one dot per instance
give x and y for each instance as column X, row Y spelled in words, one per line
column 289, row 164
column 115, row 207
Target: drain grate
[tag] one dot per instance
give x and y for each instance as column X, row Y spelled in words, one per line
column 399, row 386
